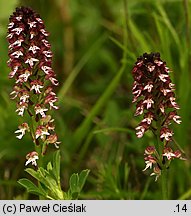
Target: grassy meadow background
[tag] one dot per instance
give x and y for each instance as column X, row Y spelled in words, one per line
column 95, row 45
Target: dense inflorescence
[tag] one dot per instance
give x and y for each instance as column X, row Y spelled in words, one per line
column 154, row 96
column 31, row 67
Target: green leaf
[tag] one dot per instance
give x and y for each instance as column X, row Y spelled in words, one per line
column 44, row 179
column 31, row 187
column 82, row 178
column 49, row 167
column 56, row 165
column 33, row 173
column 74, row 181
column 40, row 175
column 144, row 46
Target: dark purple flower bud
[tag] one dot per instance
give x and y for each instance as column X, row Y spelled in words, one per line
column 53, row 139
column 150, row 150
column 178, row 154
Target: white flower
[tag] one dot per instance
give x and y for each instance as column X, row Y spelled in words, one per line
column 23, row 77
column 33, row 49
column 148, row 120
column 176, row 118
column 151, row 68
column 54, row 81
column 31, row 158
column 166, row 136
column 16, row 43
column 171, row 85
column 166, row 69
column 135, row 84
column 22, row 129
column 45, row 33
column 17, row 30
column 139, row 110
column 24, row 98
column 161, row 106
column 32, row 34
column 140, row 131
column 31, row 61
column 137, row 92
column 140, row 63
column 148, row 165
column 149, row 102
column 11, row 24
column 40, row 110
column 9, row 36
column 46, row 69
column 41, row 131
column 166, row 133
column 36, row 86
column 19, row 18
column 157, row 175
column 46, row 43
column 20, row 111
column 148, row 87
column 48, row 54
column 51, row 99
column 39, row 20
column 14, row 93
column 159, row 63
column 17, row 54
column 165, row 91
column 12, row 73
column 174, row 104
column 157, row 172
column 163, row 76
column 21, row 108
column 32, row 24
column 169, row 155
column 51, row 103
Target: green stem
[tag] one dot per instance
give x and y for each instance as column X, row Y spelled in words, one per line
column 159, row 146
column 164, row 178
column 164, row 171
column 37, row 147
column 38, row 150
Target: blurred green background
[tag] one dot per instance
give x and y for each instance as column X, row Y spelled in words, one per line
column 95, row 45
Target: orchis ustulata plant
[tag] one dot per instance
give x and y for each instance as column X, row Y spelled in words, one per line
column 155, row 99
column 31, row 67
